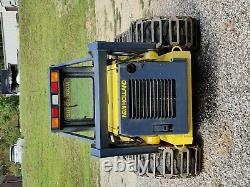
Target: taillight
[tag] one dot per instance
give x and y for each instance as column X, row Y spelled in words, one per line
column 54, row 76
column 54, row 87
column 55, row 108
column 55, row 112
column 55, row 100
column 55, row 123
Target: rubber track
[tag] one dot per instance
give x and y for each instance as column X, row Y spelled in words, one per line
column 169, row 162
column 165, row 31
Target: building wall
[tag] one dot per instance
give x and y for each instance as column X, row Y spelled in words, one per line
column 7, row 3
column 10, row 36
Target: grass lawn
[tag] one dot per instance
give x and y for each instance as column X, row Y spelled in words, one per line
column 52, row 31
column 78, row 98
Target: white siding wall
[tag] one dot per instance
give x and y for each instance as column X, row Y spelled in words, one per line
column 9, row 2
column 10, row 36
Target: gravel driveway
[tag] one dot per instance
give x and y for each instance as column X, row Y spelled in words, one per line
column 221, row 85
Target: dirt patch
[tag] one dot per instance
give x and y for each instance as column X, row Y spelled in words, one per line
column 114, row 17
column 114, row 179
column 221, row 148
column 90, row 21
column 225, row 141
column 62, row 7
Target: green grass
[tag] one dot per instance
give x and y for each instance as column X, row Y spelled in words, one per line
column 52, row 31
column 79, row 103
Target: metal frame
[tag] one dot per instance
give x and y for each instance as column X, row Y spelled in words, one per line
column 98, row 54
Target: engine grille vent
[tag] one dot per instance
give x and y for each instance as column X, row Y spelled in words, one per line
column 152, row 98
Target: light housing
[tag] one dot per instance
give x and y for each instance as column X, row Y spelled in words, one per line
column 55, row 99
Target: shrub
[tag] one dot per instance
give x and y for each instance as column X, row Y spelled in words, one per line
column 9, row 132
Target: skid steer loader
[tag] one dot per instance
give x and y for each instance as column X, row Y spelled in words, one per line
column 140, row 91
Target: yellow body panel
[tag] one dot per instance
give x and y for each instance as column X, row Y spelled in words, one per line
column 112, row 84
column 113, row 113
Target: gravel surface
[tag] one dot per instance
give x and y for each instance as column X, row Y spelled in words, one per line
column 221, row 85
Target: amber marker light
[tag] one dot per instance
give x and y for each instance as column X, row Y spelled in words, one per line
column 54, row 76
column 55, row 123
